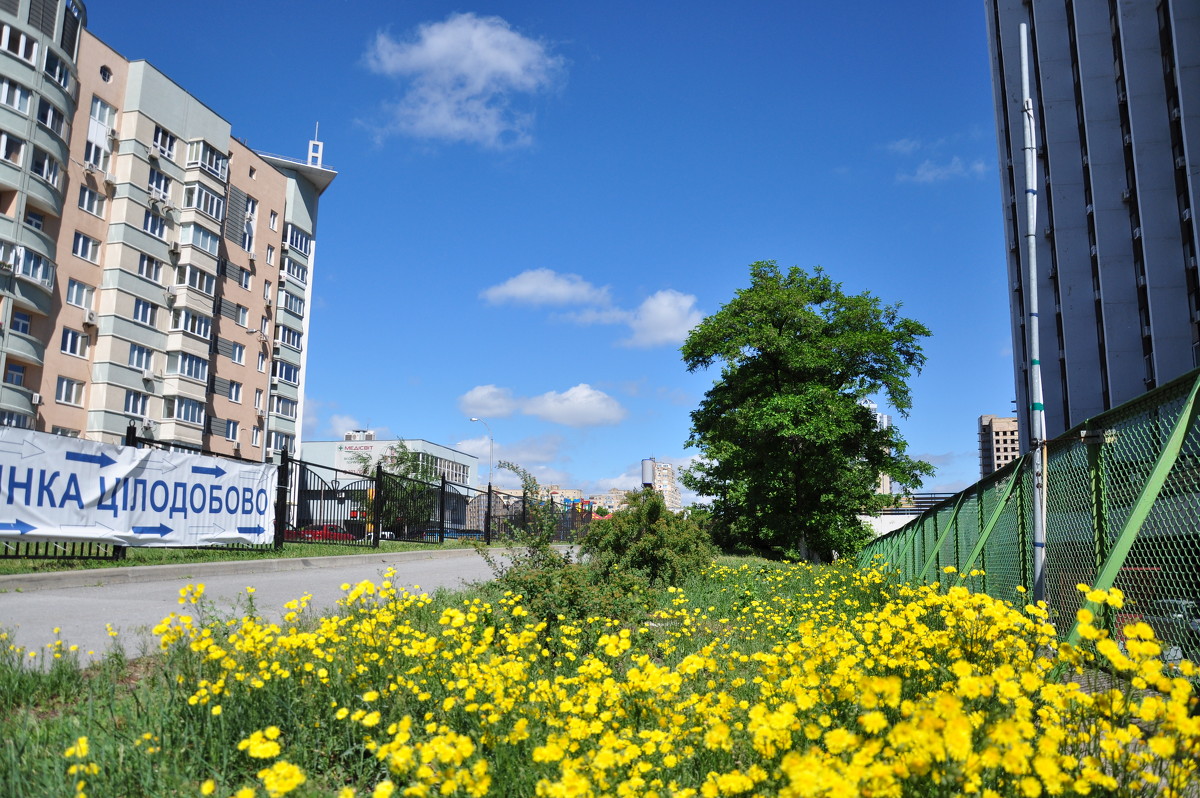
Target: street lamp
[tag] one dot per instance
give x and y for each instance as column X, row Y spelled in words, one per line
column 491, row 446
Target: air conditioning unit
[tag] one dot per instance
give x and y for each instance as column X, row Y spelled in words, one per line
column 274, row 382
column 269, row 300
column 1126, row 195
column 1141, row 280
column 1092, row 250
column 90, row 168
column 1174, row 113
column 147, row 375
column 1145, row 330
column 283, row 248
column 262, row 338
column 1180, row 162
column 110, row 179
column 148, row 423
column 89, row 318
column 175, row 248
column 171, row 292
column 1137, row 232
column 152, row 153
column 1186, row 215
column 263, row 414
column 1090, row 209
column 36, row 398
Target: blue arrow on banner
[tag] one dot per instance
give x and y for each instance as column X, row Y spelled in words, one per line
column 215, row 471
column 100, row 459
column 19, row 526
column 250, row 530
column 161, row 530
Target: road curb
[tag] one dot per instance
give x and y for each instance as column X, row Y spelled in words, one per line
column 96, row 577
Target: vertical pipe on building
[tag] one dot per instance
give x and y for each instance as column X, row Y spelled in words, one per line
column 1037, row 414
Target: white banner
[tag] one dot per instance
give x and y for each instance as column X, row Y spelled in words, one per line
column 52, row 487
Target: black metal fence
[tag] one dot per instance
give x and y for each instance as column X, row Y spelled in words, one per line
column 319, row 504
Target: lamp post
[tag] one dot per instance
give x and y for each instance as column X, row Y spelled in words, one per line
column 491, row 446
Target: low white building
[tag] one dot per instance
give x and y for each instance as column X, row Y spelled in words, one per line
column 346, row 455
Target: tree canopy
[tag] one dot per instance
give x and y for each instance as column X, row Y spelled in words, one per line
column 790, row 453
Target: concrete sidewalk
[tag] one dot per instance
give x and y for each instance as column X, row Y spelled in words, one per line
column 134, row 600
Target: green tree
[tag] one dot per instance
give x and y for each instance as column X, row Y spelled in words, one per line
column 409, row 501
column 790, row 455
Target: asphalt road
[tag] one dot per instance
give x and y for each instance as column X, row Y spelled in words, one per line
column 134, row 600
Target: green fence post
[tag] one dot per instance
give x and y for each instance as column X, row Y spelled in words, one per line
column 1154, row 485
column 1022, row 525
column 1093, row 440
column 951, row 525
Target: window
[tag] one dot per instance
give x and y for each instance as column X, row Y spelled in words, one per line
column 191, row 322
column 35, row 220
column 255, row 436
column 96, row 154
column 286, row 372
column 57, row 70
column 86, row 247
column 164, row 142
column 203, row 155
column 17, row 43
column 267, row 290
column 277, row 441
column 145, row 312
column 284, row 406
column 155, row 225
column 264, row 325
column 92, row 201
column 10, row 419
column 262, row 362
column 291, row 302
column 198, row 197
column 150, row 268
column 11, row 148
column 79, row 294
column 295, row 270
column 238, row 354
column 14, row 374
column 74, row 342
column 35, row 267
column 198, row 237
column 258, row 398
column 105, row 74
column 52, row 119
column 141, row 357
column 288, row 336
column 231, row 430
column 253, row 172
column 242, row 314
column 103, row 113
column 136, row 403
column 248, row 230
column 195, row 277
column 274, row 220
column 298, row 239
column 14, row 95
column 270, row 255
column 159, row 185
column 69, row 392
column 244, row 279
column 183, row 409
column 44, row 166
column 186, row 364
column 20, row 322
column 235, row 391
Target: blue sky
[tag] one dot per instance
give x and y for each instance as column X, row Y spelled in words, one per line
column 536, row 200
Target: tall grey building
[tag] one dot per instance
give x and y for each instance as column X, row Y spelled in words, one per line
column 1115, row 86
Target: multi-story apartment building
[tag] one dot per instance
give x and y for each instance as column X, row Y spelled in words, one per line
column 1115, row 89
column 155, row 271
column 999, row 444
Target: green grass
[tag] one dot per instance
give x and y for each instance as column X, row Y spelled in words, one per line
column 167, row 556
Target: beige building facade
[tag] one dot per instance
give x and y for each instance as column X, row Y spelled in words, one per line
column 999, row 443
column 156, row 272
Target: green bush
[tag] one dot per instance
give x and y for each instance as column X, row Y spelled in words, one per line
column 649, row 540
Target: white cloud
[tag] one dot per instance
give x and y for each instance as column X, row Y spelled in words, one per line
column 904, row 146
column 930, row 172
column 339, row 424
column 664, row 317
column 539, row 449
column 461, row 77
column 580, row 406
column 546, row 287
column 487, row 401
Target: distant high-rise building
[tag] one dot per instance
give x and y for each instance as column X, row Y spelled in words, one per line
column 999, row 443
column 1115, row 86
column 154, row 270
column 662, row 477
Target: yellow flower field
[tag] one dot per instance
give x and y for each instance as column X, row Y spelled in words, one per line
column 758, row 680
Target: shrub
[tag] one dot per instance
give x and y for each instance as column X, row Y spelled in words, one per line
column 649, row 540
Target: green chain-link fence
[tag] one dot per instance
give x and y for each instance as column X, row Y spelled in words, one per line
column 1122, row 510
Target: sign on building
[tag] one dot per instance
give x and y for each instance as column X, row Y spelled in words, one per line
column 52, row 487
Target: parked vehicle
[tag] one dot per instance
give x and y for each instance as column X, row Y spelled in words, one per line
column 325, row 533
